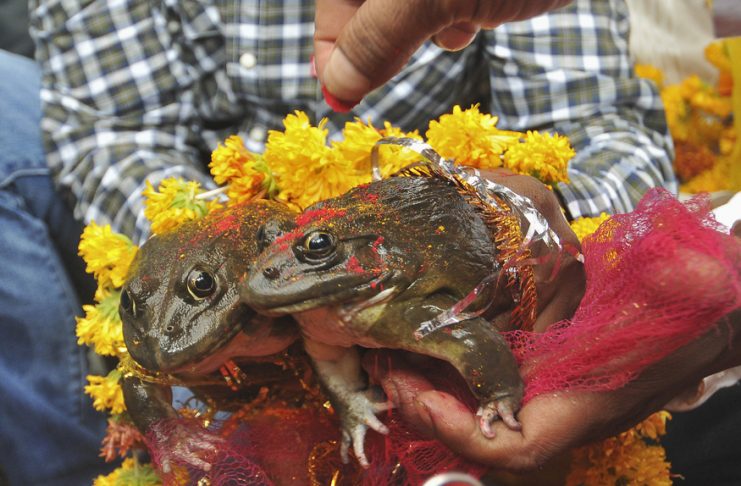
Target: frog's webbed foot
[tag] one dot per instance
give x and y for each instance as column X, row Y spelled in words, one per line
column 358, row 415
column 503, row 409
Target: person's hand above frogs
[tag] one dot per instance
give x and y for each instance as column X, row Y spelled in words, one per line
column 361, row 44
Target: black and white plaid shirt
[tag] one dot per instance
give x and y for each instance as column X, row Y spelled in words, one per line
column 145, row 89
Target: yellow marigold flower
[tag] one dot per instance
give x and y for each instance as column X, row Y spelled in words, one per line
column 624, row 459
column 247, row 174
column 654, row 426
column 470, row 138
column 690, row 86
column 676, row 110
column 711, row 103
column 358, row 141
column 586, row 226
column 101, row 327
column 174, row 203
column 131, row 472
column 307, row 170
column 106, row 392
column 647, row 71
column 228, row 161
column 541, row 155
column 717, row 54
column 727, row 140
column 107, row 254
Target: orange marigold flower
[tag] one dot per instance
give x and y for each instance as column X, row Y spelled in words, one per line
column 691, row 159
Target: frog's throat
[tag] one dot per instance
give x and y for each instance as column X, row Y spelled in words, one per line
column 354, row 295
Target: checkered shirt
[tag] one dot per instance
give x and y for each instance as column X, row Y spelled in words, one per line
column 140, row 89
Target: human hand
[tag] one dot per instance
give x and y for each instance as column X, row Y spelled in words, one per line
column 361, row 44
column 553, row 423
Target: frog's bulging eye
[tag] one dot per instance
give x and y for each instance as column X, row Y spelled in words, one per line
column 201, row 284
column 318, row 244
column 127, row 303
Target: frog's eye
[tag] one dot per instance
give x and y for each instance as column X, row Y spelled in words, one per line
column 318, row 245
column 127, row 303
column 201, row 284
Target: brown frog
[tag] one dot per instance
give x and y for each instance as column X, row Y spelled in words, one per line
column 367, row 269
column 182, row 318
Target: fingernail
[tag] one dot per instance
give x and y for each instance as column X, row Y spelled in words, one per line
column 337, row 104
column 343, row 79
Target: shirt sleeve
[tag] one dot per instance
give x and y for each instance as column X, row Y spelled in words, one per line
column 569, row 71
column 122, row 90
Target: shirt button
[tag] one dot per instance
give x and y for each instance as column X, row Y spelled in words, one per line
column 258, row 134
column 248, row 60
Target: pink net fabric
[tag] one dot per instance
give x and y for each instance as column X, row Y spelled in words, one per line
column 657, row 278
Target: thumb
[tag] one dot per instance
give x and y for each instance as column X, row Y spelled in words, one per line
column 373, row 45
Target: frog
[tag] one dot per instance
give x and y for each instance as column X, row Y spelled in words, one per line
column 367, row 269
column 183, row 320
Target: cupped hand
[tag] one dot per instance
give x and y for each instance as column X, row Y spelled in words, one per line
column 556, row 422
column 361, row 44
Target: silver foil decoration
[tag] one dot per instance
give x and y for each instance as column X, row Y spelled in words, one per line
column 536, row 229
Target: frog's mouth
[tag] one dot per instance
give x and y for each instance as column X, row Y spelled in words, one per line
column 353, row 296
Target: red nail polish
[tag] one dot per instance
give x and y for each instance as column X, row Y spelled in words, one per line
column 338, row 105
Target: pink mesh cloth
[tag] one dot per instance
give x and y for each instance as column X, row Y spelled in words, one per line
column 656, row 279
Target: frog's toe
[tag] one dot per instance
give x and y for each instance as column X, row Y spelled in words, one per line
column 356, row 438
column 358, row 446
column 506, row 411
column 489, row 413
column 345, row 446
column 361, row 416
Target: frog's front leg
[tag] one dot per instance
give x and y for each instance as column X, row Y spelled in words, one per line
column 338, row 369
column 480, row 354
column 150, row 408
